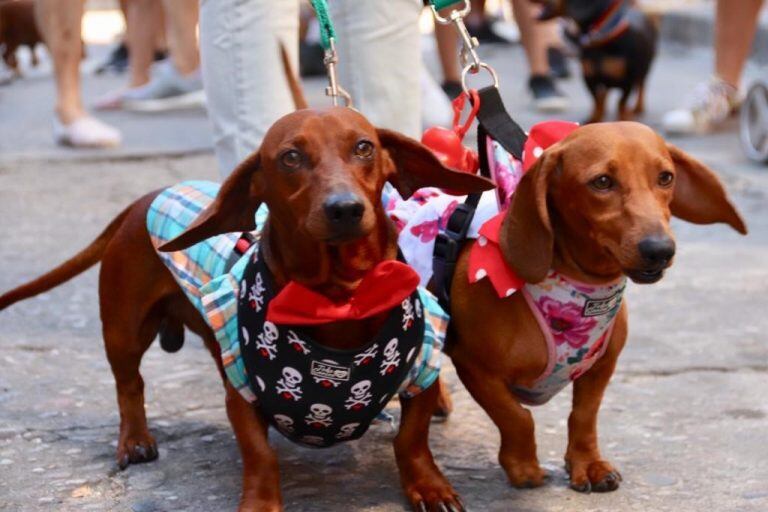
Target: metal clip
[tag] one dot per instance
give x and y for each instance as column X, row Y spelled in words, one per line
column 334, row 90
column 470, row 60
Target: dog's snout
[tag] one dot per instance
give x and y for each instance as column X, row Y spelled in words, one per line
column 344, row 210
column 656, row 251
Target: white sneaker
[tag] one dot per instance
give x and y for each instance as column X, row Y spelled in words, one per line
column 710, row 104
column 86, row 132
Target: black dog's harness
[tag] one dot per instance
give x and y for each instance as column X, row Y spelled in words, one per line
column 316, row 395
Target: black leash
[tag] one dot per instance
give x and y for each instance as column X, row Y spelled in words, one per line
column 494, row 121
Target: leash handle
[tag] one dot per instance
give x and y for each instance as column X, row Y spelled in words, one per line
column 331, row 58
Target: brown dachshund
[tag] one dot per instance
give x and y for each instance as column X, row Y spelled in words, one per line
column 312, row 165
column 18, row 28
column 594, row 208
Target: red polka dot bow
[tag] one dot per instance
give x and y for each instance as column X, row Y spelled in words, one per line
column 486, row 258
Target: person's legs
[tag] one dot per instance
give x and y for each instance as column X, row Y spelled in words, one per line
column 181, row 20
column 536, row 38
column 59, row 22
column 243, row 73
column 380, row 60
column 144, row 21
column 713, row 101
column 447, row 49
column 735, row 28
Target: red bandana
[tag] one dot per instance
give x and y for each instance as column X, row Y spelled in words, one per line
column 387, row 285
column 486, row 258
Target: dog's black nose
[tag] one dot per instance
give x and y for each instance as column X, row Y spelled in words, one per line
column 656, row 251
column 344, row 210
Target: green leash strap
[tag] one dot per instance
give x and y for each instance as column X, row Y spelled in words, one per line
column 442, row 4
column 327, row 32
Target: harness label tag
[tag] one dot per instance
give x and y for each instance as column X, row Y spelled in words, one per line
column 599, row 307
column 323, row 370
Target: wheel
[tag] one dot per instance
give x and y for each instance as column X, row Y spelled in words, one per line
column 754, row 123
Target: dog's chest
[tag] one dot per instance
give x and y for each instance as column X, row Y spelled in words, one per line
column 316, row 395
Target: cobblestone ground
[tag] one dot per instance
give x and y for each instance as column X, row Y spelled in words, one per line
column 684, row 418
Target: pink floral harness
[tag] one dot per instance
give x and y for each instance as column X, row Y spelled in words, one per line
column 576, row 319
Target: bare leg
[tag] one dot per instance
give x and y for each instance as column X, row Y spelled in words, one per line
column 535, row 36
column 181, row 18
column 59, row 22
column 144, row 22
column 447, row 43
column 734, row 31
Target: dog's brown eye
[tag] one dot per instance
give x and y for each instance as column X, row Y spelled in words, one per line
column 364, row 149
column 603, row 182
column 666, row 178
column 291, row 159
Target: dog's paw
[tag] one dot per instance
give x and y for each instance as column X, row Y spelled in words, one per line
column 593, row 476
column 136, row 449
column 524, row 474
column 433, row 495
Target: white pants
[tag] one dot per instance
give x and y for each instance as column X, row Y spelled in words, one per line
column 380, row 65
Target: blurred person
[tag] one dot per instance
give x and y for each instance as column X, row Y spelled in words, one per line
column 713, row 101
column 59, row 22
column 175, row 82
column 538, row 39
column 380, row 65
column 118, row 60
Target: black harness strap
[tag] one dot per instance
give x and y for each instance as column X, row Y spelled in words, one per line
column 494, row 121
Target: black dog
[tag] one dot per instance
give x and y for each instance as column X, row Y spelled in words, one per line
column 617, row 45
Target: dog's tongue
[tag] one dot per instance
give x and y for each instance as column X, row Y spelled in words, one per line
column 386, row 286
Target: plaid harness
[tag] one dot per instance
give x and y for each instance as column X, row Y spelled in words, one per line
column 210, row 276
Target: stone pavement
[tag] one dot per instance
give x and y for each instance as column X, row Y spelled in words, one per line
column 684, row 418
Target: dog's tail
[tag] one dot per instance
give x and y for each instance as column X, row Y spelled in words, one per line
column 79, row 263
column 297, row 93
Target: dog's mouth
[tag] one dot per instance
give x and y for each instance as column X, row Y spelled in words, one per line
column 645, row 276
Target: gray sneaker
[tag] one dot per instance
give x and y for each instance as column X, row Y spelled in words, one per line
column 167, row 90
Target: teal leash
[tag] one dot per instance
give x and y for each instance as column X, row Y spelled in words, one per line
column 331, row 59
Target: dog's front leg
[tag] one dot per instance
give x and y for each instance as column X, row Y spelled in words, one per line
column 425, row 486
column 517, row 454
column 587, row 469
column 261, row 476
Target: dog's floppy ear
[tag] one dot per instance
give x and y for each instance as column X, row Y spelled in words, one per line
column 233, row 209
column 526, row 238
column 409, row 166
column 699, row 197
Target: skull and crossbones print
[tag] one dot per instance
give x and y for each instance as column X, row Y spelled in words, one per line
column 297, row 343
column 288, row 386
column 368, row 355
column 391, row 357
column 266, row 341
column 319, row 416
column 256, row 293
column 360, row 396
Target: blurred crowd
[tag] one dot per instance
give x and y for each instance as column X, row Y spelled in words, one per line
column 171, row 49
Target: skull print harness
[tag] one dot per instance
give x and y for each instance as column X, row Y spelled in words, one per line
column 312, row 394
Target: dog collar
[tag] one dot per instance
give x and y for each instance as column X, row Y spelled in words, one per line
column 610, row 25
column 316, row 395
